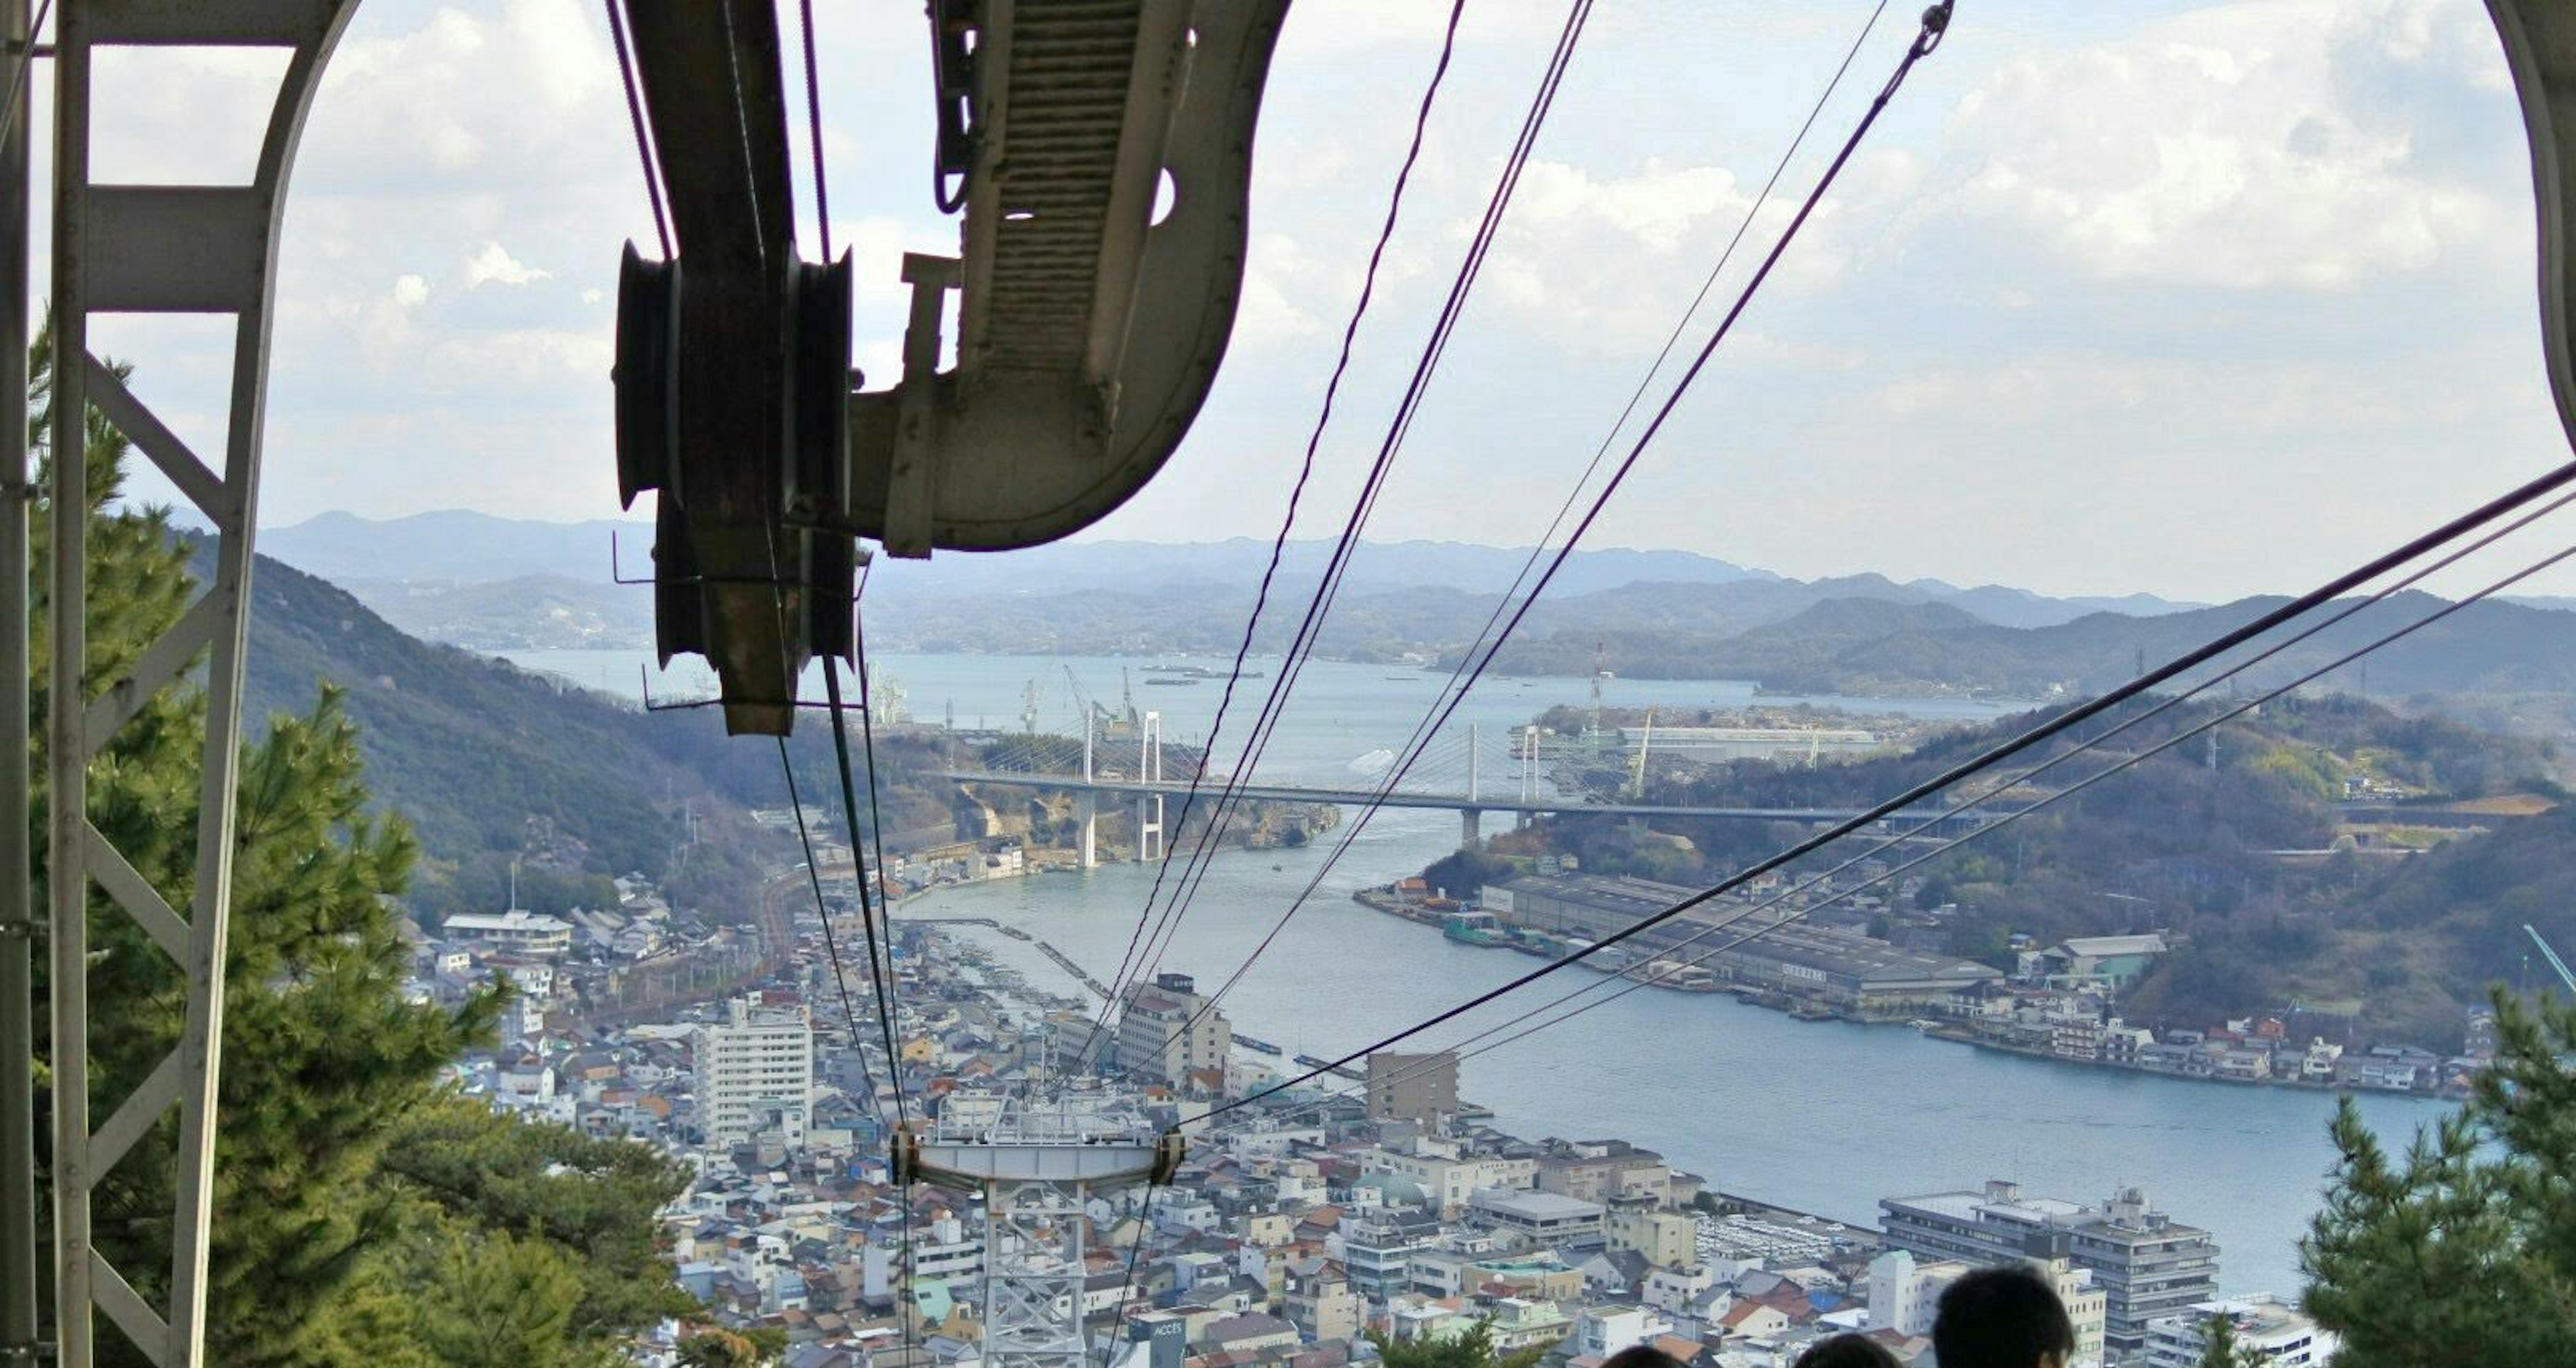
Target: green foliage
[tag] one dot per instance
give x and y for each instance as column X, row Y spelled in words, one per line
column 732, row 1348
column 328, row 1071
column 2219, row 1347
column 2463, row 1249
column 1472, row 1348
column 501, row 1302
column 589, row 1201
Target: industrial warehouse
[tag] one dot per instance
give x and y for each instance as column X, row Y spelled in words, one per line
column 1850, row 972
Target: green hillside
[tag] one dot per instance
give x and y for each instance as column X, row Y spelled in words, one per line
column 490, row 762
column 2282, row 894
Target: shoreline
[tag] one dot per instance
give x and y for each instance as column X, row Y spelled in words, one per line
column 1797, row 1008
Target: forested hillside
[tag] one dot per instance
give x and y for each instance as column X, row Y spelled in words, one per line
column 2281, row 893
column 491, row 762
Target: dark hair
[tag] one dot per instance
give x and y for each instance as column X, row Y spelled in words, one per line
column 1641, row 1356
column 1847, row 1351
column 2001, row 1318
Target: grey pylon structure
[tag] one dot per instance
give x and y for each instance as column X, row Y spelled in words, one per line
column 152, row 249
column 1038, row 1166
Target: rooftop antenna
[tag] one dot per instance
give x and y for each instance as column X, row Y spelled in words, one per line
column 514, row 886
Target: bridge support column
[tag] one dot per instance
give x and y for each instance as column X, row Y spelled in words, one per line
column 1087, row 810
column 1470, row 827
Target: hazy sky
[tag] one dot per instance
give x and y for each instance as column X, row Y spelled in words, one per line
column 2197, row 299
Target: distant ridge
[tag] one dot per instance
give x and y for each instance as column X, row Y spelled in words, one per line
column 461, row 547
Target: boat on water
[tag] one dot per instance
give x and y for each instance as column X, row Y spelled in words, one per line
column 1474, row 928
column 1256, row 1046
column 1924, row 1025
column 1173, row 682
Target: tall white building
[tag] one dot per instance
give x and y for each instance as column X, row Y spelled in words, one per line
column 2146, row 1264
column 2272, row 1330
column 756, row 1074
column 1904, row 1290
column 1167, row 1031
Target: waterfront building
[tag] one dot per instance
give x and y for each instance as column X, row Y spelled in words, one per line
column 1604, row 1170
column 1846, row 969
column 1665, row 1239
column 2101, row 961
column 2146, row 1264
column 1421, row 1088
column 2270, row 1330
column 1539, row 1218
column 1166, row 1032
column 755, row 1074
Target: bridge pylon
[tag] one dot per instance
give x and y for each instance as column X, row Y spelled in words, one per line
column 1149, row 806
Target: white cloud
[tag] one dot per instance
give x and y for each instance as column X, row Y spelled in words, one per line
column 495, row 264
column 410, row 291
column 2245, row 146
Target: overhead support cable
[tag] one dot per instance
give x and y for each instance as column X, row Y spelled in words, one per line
column 2228, row 714
column 831, row 942
column 2164, row 705
column 1319, row 606
column 1305, row 472
column 635, row 116
column 2429, row 542
column 1462, row 677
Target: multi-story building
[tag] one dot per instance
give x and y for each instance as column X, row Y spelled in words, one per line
column 1166, row 1032
column 755, row 1074
column 2146, row 1265
column 2267, row 1329
column 1666, row 1239
column 1602, row 1331
column 2087, row 1306
column 1446, row 1181
column 1420, row 1088
column 1325, row 1310
column 529, row 933
column 1377, row 1252
column 1904, row 1292
column 1539, row 1218
column 1604, row 1170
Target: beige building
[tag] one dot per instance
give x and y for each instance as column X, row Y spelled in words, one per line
column 1421, row 1088
column 1667, row 1239
column 1325, row 1310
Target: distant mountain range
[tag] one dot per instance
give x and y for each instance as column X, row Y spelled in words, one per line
column 498, row 583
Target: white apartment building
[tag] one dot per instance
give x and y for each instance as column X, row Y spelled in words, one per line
column 1605, row 1330
column 755, row 1074
column 2146, row 1264
column 1167, row 1031
column 2267, row 1327
column 1905, row 1291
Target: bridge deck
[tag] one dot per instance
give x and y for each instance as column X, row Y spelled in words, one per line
column 1454, row 802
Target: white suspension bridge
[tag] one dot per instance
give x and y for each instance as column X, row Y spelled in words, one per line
column 1471, row 770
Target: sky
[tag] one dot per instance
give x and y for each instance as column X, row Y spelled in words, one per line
column 2194, row 299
